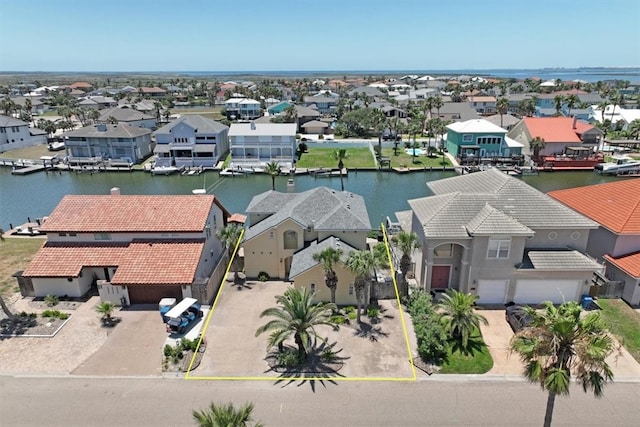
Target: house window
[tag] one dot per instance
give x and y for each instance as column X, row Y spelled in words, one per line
column 467, row 137
column 73, row 234
column 290, row 239
column 272, row 234
column 498, row 248
column 62, row 234
column 444, row 251
column 350, row 289
column 102, row 236
column 313, row 287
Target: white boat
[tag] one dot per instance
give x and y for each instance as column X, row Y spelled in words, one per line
column 235, row 172
column 164, row 170
column 620, row 165
column 56, row 146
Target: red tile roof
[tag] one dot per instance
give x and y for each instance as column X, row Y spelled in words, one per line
column 125, row 213
column 137, row 263
column 615, row 205
column 630, row 264
column 238, row 218
column 556, row 129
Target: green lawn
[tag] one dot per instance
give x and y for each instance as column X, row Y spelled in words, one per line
column 15, row 253
column 323, row 158
column 624, row 324
column 479, row 362
column 406, row 160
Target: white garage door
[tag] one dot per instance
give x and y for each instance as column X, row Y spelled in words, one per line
column 537, row 291
column 492, row 291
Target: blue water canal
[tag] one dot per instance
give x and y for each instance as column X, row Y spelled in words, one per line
column 37, row 195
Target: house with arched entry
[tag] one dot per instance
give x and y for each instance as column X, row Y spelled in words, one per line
column 286, row 229
column 493, row 235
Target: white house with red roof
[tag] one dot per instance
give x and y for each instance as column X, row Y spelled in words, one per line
column 616, row 207
column 558, row 133
column 135, row 249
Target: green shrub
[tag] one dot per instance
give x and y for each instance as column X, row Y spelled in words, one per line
column 328, row 354
column 320, row 137
column 55, row 314
column 373, row 312
column 188, row 345
column 430, row 331
column 352, row 315
column 289, row 358
column 51, row 300
column 338, row 319
column 168, row 350
column 349, row 309
column 263, row 277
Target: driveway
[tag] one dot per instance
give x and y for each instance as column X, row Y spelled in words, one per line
column 233, row 350
column 134, row 345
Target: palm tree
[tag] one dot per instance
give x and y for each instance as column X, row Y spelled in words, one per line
column 290, row 114
column 379, row 123
column 557, row 101
column 229, row 235
column 561, row 343
column 273, row 169
column 572, row 101
column 460, row 317
column 94, row 115
column 615, row 100
column 406, row 243
column 535, row 145
column 502, row 106
column 437, row 104
column 225, row 416
column 340, row 155
column 329, row 257
column 361, row 263
column 297, row 316
column 105, row 308
column 634, row 129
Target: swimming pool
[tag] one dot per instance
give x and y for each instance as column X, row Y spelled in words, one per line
column 415, row 151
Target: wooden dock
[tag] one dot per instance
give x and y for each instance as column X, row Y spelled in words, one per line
column 28, row 169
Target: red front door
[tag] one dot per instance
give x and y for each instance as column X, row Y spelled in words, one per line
column 440, row 276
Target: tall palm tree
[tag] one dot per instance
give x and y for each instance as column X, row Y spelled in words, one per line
column 406, row 243
column 361, row 264
column 561, row 343
column 290, row 114
column 225, row 416
column 634, row 129
column 273, row 169
column 437, row 104
column 502, row 105
column 379, row 123
column 296, row 315
column 557, row 102
column 340, row 155
column 535, row 145
column 460, row 317
column 329, row 257
column 229, row 235
column 615, row 100
column 572, row 101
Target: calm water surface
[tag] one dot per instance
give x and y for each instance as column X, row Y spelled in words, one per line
column 385, row 193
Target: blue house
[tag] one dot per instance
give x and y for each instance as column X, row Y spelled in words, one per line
column 478, row 138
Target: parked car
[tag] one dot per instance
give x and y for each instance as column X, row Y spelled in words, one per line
column 517, row 317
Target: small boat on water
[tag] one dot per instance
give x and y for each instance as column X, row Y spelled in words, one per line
column 164, row 170
column 621, row 165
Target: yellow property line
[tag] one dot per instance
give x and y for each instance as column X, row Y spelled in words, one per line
column 302, row 377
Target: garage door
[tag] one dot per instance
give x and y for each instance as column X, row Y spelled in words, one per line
column 492, row 291
column 153, row 294
column 537, row 291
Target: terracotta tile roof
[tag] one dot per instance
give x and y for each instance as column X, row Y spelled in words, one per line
column 630, row 264
column 151, row 90
column 127, row 213
column 615, row 205
column 137, row 263
column 239, row 218
column 556, row 129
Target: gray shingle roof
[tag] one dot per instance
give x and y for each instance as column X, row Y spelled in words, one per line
column 559, row 260
column 6, row 121
column 124, row 114
column 201, row 123
column 323, row 208
column 120, row 130
column 303, row 260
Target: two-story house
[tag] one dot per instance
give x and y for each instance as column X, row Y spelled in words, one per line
column 128, row 116
column 493, row 235
column 242, row 108
column 477, row 139
column 287, row 229
column 558, row 133
column 133, row 248
column 616, row 207
column 256, row 144
column 191, row 140
column 324, row 104
column 15, row 133
column 117, row 142
column 484, row 105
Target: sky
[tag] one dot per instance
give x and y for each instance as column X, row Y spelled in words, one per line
column 303, row 35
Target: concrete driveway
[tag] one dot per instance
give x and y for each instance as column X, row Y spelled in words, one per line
column 233, row 350
column 133, row 347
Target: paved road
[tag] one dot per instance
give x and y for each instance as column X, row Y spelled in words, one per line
column 80, row 401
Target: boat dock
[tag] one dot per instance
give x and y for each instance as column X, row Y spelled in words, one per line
column 27, row 169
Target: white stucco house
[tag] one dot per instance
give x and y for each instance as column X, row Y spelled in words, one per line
column 256, row 144
column 115, row 142
column 15, row 133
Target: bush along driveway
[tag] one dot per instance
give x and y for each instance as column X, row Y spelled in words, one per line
column 448, row 335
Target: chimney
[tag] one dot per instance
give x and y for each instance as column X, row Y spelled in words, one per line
column 575, row 119
column 115, row 191
column 253, row 125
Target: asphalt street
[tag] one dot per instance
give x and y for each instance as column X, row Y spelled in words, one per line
column 101, row 401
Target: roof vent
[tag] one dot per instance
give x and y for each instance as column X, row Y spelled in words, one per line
column 101, row 127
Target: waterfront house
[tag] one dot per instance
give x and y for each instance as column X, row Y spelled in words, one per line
column 191, row 140
column 286, row 229
column 132, row 248
column 242, row 108
column 558, row 133
column 256, row 144
column 616, row 207
column 484, row 105
column 478, row 139
column 493, row 235
column 15, row 133
column 128, row 116
column 117, row 142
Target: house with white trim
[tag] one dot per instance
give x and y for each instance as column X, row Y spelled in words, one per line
column 256, row 144
column 15, row 133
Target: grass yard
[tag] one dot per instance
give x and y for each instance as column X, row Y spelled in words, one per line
column 15, row 253
column 479, row 361
column 323, row 158
column 624, row 324
column 34, row 152
column 406, row 160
